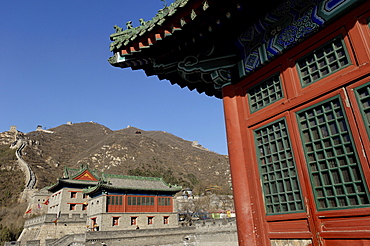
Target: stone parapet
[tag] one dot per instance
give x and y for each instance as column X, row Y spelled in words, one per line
column 72, row 239
column 211, row 232
column 33, row 243
column 170, row 236
column 51, row 218
column 228, row 224
column 36, row 220
column 12, row 243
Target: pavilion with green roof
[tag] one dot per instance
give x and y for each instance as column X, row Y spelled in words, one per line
column 114, row 202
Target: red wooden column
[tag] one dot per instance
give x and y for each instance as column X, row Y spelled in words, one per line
column 156, row 203
column 124, row 201
column 250, row 228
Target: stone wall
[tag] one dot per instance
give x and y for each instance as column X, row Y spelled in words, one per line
column 50, row 218
column 105, row 221
column 60, row 201
column 205, row 233
column 171, row 236
column 43, row 227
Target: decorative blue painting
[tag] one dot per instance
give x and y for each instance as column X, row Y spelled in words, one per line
column 285, row 27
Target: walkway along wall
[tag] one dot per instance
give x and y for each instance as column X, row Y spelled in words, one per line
column 218, row 232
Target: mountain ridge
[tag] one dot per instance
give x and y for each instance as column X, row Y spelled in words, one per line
column 129, row 150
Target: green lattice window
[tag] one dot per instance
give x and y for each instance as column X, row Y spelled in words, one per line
column 264, row 93
column 363, row 98
column 277, row 169
column 323, row 61
column 334, row 169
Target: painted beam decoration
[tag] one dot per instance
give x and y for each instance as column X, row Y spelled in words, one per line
column 285, row 27
column 253, row 45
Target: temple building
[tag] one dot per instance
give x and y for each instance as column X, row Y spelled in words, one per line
column 130, row 202
column 84, row 201
column 294, row 80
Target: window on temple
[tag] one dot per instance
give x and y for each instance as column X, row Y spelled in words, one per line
column 363, row 98
column 94, row 225
column 114, row 200
column 323, row 61
column 115, row 221
column 164, row 201
column 84, row 207
column 133, row 220
column 278, row 170
column 334, row 167
column 165, row 220
column 265, row 93
column 72, row 206
column 144, row 201
column 73, row 194
column 150, row 220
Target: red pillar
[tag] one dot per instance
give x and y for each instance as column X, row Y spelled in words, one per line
column 156, row 204
column 124, row 198
column 250, row 227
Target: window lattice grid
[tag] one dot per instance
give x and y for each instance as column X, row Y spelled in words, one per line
column 336, row 176
column 265, row 93
column 323, row 61
column 277, row 169
column 363, row 98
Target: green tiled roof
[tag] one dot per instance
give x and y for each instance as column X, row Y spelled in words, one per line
column 123, row 182
column 112, row 181
column 71, row 173
column 124, row 37
column 62, row 182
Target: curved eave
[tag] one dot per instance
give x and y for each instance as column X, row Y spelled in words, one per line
column 135, row 51
column 146, row 65
column 108, row 187
column 63, row 182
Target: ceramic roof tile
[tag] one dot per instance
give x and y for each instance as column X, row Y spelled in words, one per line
column 138, row 183
column 125, row 37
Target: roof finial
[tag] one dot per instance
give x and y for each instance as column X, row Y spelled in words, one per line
column 129, row 25
column 142, row 22
column 164, row 3
column 117, row 28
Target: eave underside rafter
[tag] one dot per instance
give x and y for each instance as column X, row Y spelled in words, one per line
column 205, row 45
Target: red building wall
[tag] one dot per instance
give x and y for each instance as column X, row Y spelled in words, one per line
column 330, row 204
column 131, row 203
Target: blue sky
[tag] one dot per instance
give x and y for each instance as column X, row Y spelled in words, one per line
column 54, row 69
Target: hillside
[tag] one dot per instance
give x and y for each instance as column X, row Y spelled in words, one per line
column 11, row 185
column 129, row 151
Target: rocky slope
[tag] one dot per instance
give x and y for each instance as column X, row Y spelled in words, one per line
column 11, row 185
column 128, row 151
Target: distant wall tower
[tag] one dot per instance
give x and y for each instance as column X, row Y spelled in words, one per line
column 13, row 129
